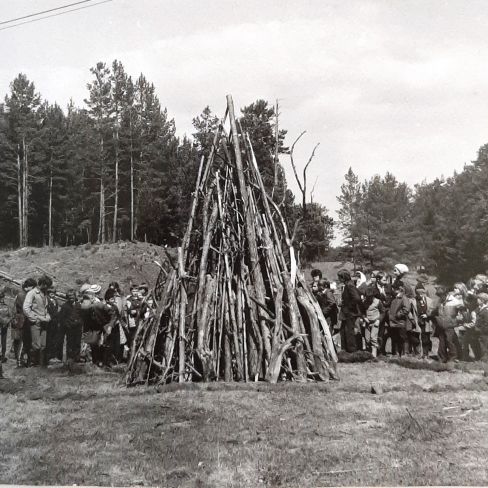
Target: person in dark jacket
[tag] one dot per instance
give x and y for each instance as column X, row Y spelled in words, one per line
column 54, row 343
column 383, row 291
column 398, row 314
column 98, row 322
column 71, row 326
column 327, row 301
column 351, row 312
column 482, row 324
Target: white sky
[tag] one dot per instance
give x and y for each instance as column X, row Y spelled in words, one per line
column 382, row 85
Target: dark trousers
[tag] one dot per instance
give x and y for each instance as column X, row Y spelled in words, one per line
column 413, row 342
column 383, row 334
column 449, row 346
column 426, row 343
column 348, row 335
column 399, row 340
column 73, row 341
column 3, row 333
column 54, row 341
column 471, row 337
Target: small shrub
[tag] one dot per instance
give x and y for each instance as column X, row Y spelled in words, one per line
column 88, row 246
column 94, row 249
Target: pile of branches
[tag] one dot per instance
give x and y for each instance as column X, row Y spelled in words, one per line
column 235, row 306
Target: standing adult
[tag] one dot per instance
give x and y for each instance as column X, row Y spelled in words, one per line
column 398, row 314
column 98, row 322
column 425, row 307
column 54, row 340
column 21, row 334
column 351, row 312
column 445, row 319
column 71, row 325
column 383, row 290
column 35, row 311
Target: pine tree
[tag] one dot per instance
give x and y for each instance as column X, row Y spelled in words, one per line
column 349, row 214
column 23, row 105
column 101, row 110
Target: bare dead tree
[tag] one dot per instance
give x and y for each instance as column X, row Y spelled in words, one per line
column 302, row 184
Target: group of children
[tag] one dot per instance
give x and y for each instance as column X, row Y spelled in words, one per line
column 83, row 327
column 389, row 314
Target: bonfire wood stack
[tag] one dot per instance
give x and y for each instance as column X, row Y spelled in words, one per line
column 235, row 306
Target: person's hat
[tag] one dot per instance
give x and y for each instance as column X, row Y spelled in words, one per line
column 402, row 268
column 94, row 289
column 84, row 288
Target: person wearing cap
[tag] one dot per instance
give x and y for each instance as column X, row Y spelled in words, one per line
column 35, row 311
column 6, row 316
column 21, row 337
column 71, row 325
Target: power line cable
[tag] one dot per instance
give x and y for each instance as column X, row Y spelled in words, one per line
column 54, row 15
column 44, row 12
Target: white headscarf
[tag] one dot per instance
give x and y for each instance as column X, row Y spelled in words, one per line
column 402, row 268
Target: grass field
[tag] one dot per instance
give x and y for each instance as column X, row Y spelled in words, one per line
column 423, row 428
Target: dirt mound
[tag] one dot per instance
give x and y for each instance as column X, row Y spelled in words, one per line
column 124, row 262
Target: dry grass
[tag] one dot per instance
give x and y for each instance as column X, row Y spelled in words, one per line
column 426, row 428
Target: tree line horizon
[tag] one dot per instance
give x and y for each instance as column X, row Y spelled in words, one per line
column 115, row 170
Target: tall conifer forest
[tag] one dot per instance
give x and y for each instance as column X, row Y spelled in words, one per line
column 114, row 169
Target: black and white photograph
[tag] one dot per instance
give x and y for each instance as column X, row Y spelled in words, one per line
column 243, row 243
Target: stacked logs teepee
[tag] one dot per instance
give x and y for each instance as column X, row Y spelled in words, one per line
column 235, row 306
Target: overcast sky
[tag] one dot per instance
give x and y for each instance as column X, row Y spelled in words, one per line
column 382, row 85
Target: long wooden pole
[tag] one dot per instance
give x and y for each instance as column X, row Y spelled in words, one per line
column 249, row 227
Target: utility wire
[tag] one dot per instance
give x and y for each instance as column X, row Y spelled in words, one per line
column 44, row 12
column 54, row 15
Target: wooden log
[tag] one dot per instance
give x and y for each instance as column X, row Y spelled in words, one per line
column 182, row 314
column 249, row 227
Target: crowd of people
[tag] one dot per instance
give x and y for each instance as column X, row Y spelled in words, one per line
column 382, row 314
column 387, row 314
column 84, row 327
